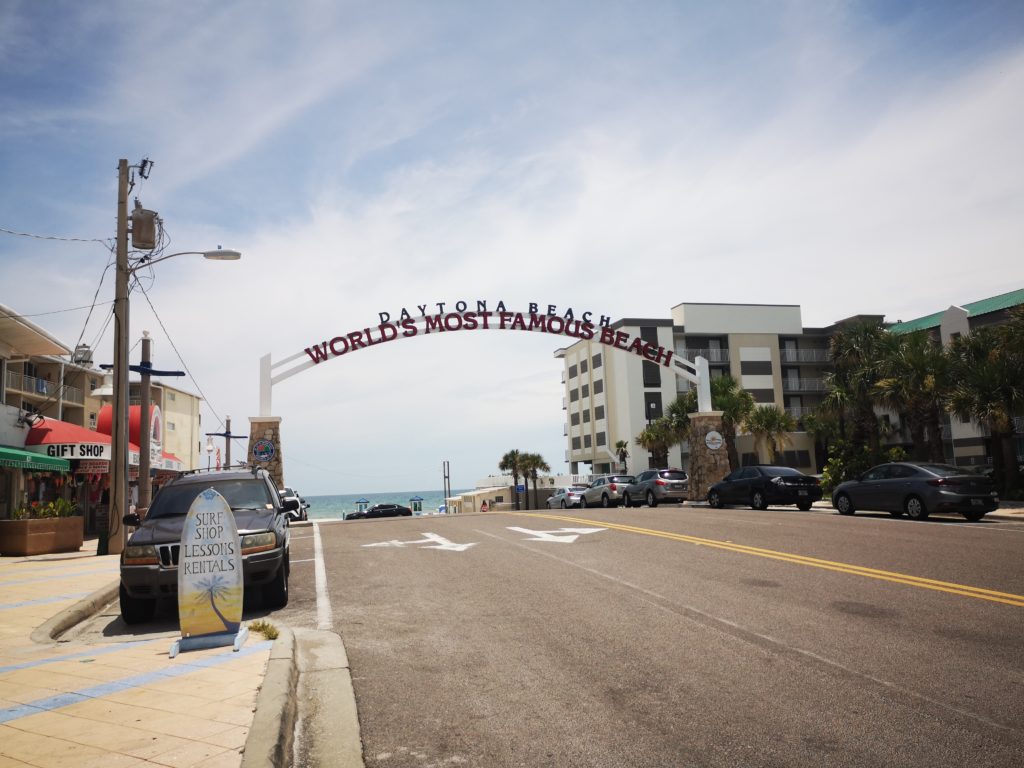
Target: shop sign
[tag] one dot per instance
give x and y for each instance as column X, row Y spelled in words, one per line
column 92, row 467
column 86, row 451
column 210, row 585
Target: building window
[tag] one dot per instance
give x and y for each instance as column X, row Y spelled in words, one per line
column 599, row 386
column 652, row 405
column 600, row 438
column 572, row 371
column 574, row 419
column 652, row 374
column 586, row 441
column 596, row 360
column 586, row 390
column 599, row 412
column 170, row 396
column 92, row 421
column 575, row 443
column 574, row 395
column 583, row 366
column 586, row 416
column 170, row 426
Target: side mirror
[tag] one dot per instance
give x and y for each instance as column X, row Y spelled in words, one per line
column 290, row 505
column 133, row 520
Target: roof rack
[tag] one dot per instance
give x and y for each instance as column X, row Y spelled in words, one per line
column 238, row 467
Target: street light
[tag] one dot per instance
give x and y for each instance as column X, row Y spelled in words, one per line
column 119, row 422
column 209, row 452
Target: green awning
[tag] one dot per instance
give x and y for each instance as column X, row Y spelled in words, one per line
column 21, row 459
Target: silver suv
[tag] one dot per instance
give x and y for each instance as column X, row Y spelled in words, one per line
column 655, row 486
column 605, row 491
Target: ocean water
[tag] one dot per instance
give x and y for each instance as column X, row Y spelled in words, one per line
column 337, row 506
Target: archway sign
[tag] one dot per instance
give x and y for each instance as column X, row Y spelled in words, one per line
column 464, row 316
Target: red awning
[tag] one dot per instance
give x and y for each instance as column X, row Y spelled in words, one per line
column 63, row 440
column 106, row 415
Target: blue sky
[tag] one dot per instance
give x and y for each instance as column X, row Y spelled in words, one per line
column 621, row 157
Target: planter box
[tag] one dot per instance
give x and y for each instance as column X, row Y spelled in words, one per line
column 41, row 536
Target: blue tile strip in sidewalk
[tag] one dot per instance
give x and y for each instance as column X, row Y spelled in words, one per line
column 105, row 689
column 70, row 656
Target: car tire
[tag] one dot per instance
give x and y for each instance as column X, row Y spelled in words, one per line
column 915, row 508
column 275, row 593
column 605, row 501
column 651, row 501
column 583, row 502
column 844, row 504
column 974, row 515
column 714, row 499
column 563, row 504
column 803, row 506
column 758, row 500
column 627, row 501
column 135, row 610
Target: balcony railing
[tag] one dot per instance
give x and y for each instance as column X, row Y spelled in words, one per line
column 711, row 355
column 799, row 411
column 73, row 395
column 30, row 384
column 805, row 355
column 1018, row 425
column 13, row 380
column 804, row 385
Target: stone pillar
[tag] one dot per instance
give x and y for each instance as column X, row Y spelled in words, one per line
column 265, row 446
column 708, row 463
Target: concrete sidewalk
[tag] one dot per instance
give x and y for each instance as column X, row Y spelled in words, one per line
column 118, row 703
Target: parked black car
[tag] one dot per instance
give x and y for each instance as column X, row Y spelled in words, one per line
column 759, row 486
column 917, row 489
column 149, row 562
column 380, row 510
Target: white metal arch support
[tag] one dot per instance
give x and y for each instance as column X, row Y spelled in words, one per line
column 695, row 372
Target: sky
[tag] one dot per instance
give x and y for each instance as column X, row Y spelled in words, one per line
column 849, row 157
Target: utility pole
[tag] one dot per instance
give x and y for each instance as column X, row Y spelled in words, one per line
column 226, row 434
column 145, row 370
column 119, row 421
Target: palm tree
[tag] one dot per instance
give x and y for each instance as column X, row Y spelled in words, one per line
column 988, row 376
column 622, row 451
column 914, row 383
column 534, row 464
column 726, row 396
column 770, row 427
column 856, row 350
column 214, row 588
column 511, row 463
column 657, row 437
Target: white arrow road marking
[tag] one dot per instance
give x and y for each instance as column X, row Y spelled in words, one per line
column 553, row 535
column 429, row 541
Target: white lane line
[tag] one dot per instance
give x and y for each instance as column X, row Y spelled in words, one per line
column 324, row 618
column 307, row 560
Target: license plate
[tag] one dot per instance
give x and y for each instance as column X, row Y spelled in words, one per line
column 801, row 493
column 976, row 502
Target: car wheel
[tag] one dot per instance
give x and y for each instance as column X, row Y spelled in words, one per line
column 915, row 508
column 974, row 515
column 651, row 501
column 583, row 502
column 135, row 610
column 605, row 501
column 758, row 500
column 844, row 504
column 803, row 506
column 714, row 499
column 627, row 501
column 563, row 503
column 275, row 594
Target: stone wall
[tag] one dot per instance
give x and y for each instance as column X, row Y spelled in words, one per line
column 267, row 428
column 707, row 466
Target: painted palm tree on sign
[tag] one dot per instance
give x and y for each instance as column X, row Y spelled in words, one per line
column 511, row 462
column 622, row 451
column 213, row 589
column 770, row 427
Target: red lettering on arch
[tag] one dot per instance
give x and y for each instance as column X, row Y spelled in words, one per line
column 318, row 353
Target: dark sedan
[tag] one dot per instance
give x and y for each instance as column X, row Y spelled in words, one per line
column 917, row 489
column 380, row 510
column 760, row 486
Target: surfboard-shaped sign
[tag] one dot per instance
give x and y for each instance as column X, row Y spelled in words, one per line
column 210, row 584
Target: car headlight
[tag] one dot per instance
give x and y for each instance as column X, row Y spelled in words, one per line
column 141, row 555
column 258, row 542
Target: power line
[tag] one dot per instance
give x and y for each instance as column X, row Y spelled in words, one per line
column 59, row 311
column 55, row 237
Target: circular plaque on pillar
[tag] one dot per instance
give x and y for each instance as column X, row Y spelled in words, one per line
column 714, row 440
column 263, row 450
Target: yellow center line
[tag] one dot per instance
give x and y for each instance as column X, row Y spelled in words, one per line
column 1007, row 598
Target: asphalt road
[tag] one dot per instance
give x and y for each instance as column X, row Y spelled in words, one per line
column 675, row 636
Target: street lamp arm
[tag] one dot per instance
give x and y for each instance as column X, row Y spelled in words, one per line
column 220, row 254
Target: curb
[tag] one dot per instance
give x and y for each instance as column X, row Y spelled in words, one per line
column 269, row 742
column 80, row 611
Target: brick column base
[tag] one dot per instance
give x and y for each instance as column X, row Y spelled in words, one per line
column 263, row 429
column 707, row 466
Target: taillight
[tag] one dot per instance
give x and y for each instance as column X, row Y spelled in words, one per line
column 659, row 481
column 611, row 486
column 949, row 481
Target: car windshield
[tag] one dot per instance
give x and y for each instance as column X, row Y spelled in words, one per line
column 671, row 474
column 944, row 470
column 780, row 472
column 245, row 493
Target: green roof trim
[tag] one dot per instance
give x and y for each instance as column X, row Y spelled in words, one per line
column 975, row 308
column 21, row 459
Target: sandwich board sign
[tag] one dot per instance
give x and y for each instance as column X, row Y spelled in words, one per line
column 210, row 585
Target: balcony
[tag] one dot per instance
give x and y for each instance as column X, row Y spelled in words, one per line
column 805, row 355
column 804, row 385
column 73, row 395
column 30, row 384
column 799, row 411
column 711, row 355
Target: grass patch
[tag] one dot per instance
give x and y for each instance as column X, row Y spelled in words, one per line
column 265, row 628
